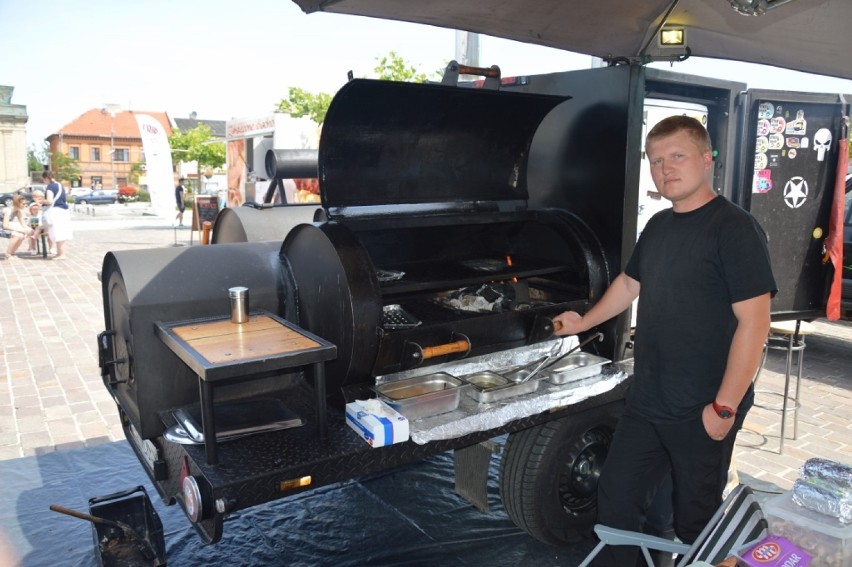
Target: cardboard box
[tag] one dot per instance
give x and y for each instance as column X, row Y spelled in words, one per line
column 773, row 551
column 825, row 538
column 376, row 422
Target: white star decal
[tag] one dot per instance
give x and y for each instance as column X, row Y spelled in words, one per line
column 796, row 192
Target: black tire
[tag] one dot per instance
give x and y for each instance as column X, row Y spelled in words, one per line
column 549, row 475
column 8, row 202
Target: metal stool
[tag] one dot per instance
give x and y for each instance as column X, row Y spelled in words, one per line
column 788, row 336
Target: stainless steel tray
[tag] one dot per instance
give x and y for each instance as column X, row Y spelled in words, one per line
column 395, row 317
column 487, row 387
column 575, row 367
column 422, row 396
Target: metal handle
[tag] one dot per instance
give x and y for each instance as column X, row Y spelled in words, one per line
column 454, row 347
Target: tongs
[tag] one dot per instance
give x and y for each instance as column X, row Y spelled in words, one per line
column 549, row 360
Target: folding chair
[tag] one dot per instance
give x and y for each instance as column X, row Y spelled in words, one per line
column 737, row 523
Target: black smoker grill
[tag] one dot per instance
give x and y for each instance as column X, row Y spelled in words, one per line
column 424, row 208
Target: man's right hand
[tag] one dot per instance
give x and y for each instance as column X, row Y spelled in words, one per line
column 571, row 321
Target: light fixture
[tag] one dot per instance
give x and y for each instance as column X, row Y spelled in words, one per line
column 672, row 36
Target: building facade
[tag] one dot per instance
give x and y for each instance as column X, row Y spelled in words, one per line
column 106, row 144
column 13, row 142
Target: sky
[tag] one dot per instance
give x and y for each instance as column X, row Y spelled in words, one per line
column 225, row 59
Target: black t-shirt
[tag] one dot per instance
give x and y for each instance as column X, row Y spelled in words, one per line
column 692, row 267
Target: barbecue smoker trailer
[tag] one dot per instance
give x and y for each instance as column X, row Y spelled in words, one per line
column 433, row 197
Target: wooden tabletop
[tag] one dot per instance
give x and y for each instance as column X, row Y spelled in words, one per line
column 223, row 341
column 217, row 349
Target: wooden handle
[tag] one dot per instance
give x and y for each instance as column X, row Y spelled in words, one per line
column 449, row 348
column 76, row 514
column 492, row 72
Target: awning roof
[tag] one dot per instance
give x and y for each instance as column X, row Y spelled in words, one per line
column 804, row 35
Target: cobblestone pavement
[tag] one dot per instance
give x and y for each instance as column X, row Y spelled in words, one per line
column 52, row 397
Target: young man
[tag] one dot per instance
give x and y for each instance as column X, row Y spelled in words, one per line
column 702, row 274
column 179, row 194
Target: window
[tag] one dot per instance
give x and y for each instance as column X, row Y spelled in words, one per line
column 74, row 152
column 121, row 182
column 97, row 182
column 96, row 154
column 121, row 154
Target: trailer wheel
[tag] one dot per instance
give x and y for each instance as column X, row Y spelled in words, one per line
column 549, row 475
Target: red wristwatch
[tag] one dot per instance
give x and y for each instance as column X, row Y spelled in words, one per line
column 725, row 412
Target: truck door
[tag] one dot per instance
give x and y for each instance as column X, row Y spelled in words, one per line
column 788, row 165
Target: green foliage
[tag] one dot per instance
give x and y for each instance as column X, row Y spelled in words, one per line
column 36, row 158
column 300, row 102
column 136, row 171
column 143, row 196
column 392, row 67
column 65, row 168
column 197, row 145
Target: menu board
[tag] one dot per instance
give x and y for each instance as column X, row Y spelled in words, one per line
column 204, row 208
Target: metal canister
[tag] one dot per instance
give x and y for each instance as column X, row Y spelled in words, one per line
column 239, row 304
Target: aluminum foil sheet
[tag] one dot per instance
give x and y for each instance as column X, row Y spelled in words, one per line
column 472, row 416
column 828, row 470
column 825, row 487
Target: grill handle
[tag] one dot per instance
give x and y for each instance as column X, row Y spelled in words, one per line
column 456, row 347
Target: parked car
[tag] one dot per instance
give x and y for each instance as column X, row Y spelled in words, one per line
column 79, row 191
column 6, row 198
column 98, row 197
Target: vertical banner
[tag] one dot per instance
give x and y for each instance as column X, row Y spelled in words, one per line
column 834, row 240
column 236, row 172
column 158, row 165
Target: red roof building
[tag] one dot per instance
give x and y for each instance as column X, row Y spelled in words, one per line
column 106, row 144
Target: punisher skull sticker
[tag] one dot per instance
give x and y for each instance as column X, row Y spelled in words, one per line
column 795, row 192
column 822, row 142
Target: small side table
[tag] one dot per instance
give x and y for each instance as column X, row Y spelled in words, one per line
column 220, row 352
column 787, row 336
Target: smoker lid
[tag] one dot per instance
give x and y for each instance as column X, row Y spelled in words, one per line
column 386, row 143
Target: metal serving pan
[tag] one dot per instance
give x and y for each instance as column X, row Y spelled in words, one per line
column 575, row 367
column 422, row 396
column 486, row 386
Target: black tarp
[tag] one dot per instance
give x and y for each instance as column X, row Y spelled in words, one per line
column 405, row 516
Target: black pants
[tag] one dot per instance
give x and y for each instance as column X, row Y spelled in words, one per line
column 641, row 456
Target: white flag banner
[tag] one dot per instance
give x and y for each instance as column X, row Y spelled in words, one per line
column 158, row 165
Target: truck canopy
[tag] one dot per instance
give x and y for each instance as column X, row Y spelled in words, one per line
column 804, row 35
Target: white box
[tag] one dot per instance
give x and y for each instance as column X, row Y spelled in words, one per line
column 376, row 422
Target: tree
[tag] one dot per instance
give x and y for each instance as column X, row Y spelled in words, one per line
column 136, row 171
column 65, row 168
column 197, row 145
column 36, row 158
column 300, row 102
